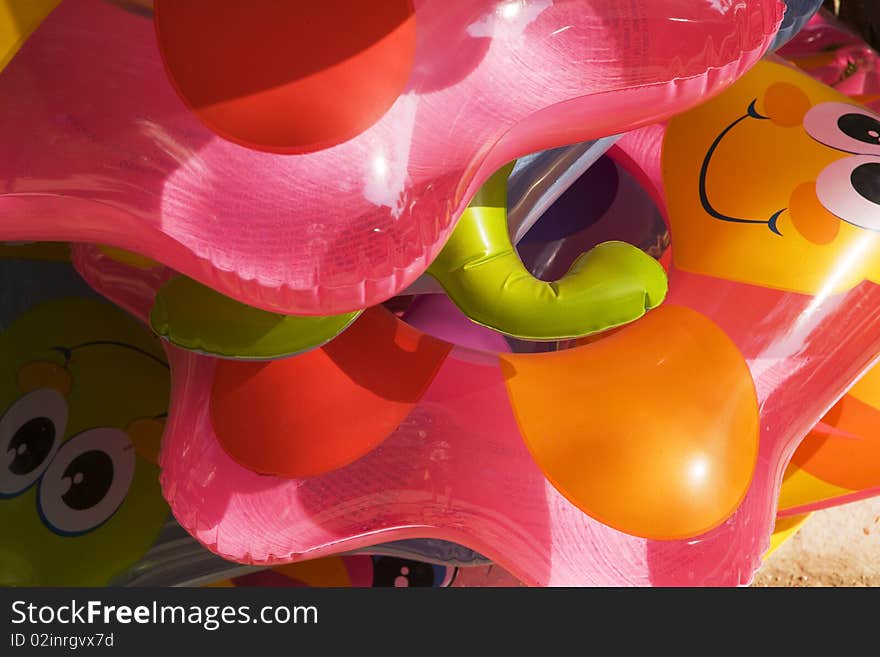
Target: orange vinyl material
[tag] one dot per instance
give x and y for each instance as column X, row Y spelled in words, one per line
column 44, row 374
column 782, row 176
column 619, row 453
column 267, row 414
column 844, row 448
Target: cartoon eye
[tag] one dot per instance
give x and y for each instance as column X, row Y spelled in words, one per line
column 850, row 189
column 844, row 127
column 87, row 481
column 30, row 431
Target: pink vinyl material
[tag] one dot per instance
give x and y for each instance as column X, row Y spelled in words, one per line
column 97, row 146
column 457, row 469
column 833, row 54
column 799, row 373
column 437, row 315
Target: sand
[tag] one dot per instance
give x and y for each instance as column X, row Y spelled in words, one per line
column 835, row 547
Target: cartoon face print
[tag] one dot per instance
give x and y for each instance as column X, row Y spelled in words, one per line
column 83, row 399
column 776, row 183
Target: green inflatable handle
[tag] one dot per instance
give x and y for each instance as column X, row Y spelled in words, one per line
column 197, row 318
column 612, row 284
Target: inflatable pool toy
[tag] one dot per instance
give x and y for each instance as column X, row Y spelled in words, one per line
column 784, row 529
column 176, row 559
column 495, row 576
column 765, row 315
column 797, row 14
column 436, row 458
column 587, row 214
column 482, row 273
column 195, row 317
column 457, row 468
column 836, row 56
column 837, row 463
column 192, row 316
column 839, row 460
column 534, row 185
column 478, row 267
column 441, row 454
column 480, row 270
column 366, row 216
column 18, row 19
column 738, row 257
column 538, row 180
column 349, row 571
column 605, row 204
column 838, row 448
column 561, row 516
column 380, row 370
column 83, row 395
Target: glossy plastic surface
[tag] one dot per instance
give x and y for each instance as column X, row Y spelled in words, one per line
column 193, row 316
column 611, row 284
column 612, row 206
column 833, row 54
column 652, row 430
column 436, row 315
column 838, row 449
column 803, row 339
column 608, row 285
column 539, row 179
column 83, row 394
column 839, row 460
column 799, row 304
column 268, row 414
column 534, row 185
column 289, row 77
column 176, row 559
column 99, row 147
column 797, row 14
column 356, row 570
column 604, row 204
column 456, row 468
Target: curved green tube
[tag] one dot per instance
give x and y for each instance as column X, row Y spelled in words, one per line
column 197, row 318
column 612, row 284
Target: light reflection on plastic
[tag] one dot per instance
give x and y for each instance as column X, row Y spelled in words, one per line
column 511, row 10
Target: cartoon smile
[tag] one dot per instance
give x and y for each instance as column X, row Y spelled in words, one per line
column 802, row 160
column 854, row 123
column 752, row 113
